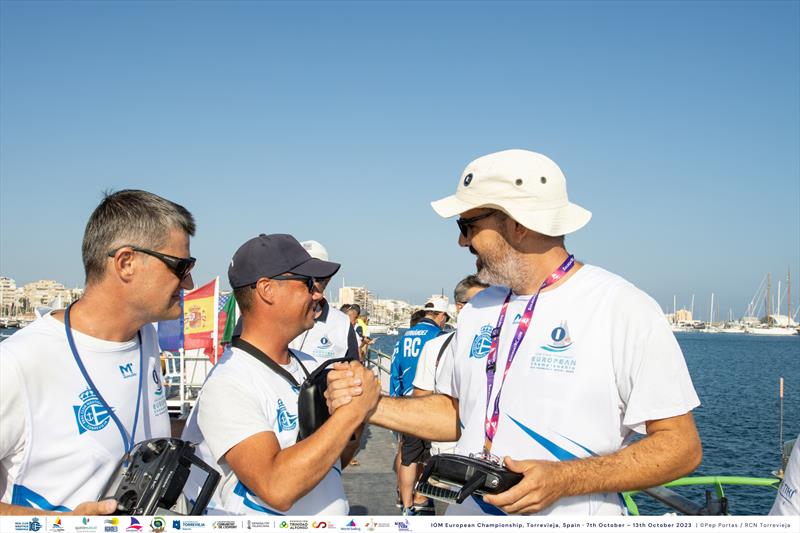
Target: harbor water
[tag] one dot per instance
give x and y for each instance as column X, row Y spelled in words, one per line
column 736, row 377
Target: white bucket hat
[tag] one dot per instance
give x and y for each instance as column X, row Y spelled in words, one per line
column 527, row 186
column 315, row 250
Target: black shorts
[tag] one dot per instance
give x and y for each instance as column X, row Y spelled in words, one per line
column 414, row 450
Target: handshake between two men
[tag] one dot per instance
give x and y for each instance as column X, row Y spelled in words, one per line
column 436, row 417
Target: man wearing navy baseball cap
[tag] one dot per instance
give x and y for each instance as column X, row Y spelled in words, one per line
column 245, row 420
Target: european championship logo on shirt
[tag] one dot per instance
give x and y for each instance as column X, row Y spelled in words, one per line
column 560, row 339
column 555, row 356
column 160, row 403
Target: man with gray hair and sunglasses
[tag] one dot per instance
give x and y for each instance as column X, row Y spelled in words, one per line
column 559, row 363
column 80, row 387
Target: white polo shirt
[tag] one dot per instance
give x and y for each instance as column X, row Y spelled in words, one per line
column 596, row 364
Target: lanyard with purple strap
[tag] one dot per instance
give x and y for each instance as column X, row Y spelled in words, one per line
column 490, row 427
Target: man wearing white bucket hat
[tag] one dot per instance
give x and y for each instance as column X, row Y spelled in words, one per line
column 559, row 363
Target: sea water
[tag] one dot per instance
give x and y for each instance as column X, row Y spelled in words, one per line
column 736, row 377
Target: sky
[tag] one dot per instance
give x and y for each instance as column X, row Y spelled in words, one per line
column 676, row 123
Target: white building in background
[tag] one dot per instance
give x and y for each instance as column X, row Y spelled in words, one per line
column 391, row 312
column 9, row 297
column 48, row 292
column 355, row 295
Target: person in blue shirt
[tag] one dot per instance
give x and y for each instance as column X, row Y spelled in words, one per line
column 412, row 450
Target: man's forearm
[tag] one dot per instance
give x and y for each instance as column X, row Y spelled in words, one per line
column 661, row 456
column 352, row 447
column 670, row 450
column 431, row 417
column 313, row 456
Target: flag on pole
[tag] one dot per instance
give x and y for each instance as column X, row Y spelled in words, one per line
column 199, row 316
column 170, row 334
column 227, row 318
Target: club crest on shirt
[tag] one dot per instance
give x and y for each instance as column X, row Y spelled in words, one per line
column 554, row 356
column 91, row 415
column 323, row 342
column 286, row 421
column 481, row 343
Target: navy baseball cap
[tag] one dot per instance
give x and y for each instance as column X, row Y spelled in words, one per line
column 266, row 256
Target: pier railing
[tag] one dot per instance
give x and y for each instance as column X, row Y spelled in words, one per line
column 184, row 375
column 381, row 364
column 714, row 505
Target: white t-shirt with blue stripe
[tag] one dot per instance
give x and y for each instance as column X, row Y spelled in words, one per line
column 240, row 398
column 598, row 362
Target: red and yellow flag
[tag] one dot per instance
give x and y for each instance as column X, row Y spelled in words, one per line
column 199, row 315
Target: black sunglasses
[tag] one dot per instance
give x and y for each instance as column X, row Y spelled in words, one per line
column 310, row 281
column 180, row 266
column 464, row 224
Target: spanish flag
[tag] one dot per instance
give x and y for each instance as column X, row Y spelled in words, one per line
column 200, row 317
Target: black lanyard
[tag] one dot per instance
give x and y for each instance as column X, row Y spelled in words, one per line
column 264, row 358
column 128, row 442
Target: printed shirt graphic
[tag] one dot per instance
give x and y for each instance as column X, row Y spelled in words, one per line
column 243, row 397
column 598, row 352
column 328, row 338
column 406, row 356
column 69, row 453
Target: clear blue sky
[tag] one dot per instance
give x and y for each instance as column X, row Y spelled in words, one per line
column 676, row 123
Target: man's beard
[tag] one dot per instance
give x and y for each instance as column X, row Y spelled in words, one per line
column 505, row 268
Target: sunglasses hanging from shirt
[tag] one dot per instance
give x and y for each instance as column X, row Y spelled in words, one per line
column 312, row 411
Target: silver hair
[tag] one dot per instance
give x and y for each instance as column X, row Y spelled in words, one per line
column 464, row 286
column 134, row 217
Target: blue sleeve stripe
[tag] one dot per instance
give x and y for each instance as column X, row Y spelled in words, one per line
column 26, row 497
column 245, row 493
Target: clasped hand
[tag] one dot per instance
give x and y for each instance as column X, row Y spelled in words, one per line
column 352, row 383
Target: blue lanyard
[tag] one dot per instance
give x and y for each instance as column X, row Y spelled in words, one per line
column 128, row 444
